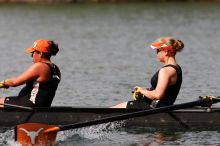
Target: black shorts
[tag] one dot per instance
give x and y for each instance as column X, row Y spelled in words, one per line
column 17, row 100
column 136, row 104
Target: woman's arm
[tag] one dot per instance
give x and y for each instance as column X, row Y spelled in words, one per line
column 31, row 73
column 164, row 79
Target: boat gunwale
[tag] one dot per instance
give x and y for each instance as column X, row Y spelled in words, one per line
column 100, row 109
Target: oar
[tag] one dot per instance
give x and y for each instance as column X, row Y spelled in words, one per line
column 35, row 133
column 17, row 106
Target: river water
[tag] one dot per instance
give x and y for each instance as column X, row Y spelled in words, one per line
column 105, row 53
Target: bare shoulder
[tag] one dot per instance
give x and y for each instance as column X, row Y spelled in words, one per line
column 43, row 70
column 39, row 67
column 169, row 70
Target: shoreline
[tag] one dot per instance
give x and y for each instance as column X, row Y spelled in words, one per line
column 98, row 1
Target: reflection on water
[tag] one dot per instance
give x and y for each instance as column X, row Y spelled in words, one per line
column 105, row 52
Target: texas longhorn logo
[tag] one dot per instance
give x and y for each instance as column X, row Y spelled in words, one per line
column 32, row 134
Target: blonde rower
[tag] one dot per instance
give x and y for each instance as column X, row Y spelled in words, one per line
column 166, row 82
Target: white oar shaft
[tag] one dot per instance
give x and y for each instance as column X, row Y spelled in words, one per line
column 17, row 106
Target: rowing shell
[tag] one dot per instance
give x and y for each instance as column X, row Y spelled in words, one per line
column 193, row 118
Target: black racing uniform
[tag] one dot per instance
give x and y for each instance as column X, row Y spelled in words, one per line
column 169, row 97
column 36, row 94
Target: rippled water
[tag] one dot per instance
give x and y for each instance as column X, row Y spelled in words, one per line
column 105, row 53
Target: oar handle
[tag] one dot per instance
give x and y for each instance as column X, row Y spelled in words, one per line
column 1, row 85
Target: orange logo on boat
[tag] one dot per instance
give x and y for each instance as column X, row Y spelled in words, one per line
column 32, row 134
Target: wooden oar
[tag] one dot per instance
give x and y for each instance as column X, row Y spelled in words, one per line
column 43, row 134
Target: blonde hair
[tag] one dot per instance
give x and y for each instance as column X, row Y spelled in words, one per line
column 177, row 45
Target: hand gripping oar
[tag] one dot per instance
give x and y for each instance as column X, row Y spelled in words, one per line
column 12, row 105
column 1, row 85
column 35, row 133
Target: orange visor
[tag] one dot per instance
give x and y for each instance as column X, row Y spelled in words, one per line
column 39, row 45
column 163, row 46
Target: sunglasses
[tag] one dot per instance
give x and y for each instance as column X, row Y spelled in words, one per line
column 158, row 50
column 35, row 52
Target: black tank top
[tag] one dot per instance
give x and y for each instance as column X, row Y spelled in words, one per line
column 42, row 94
column 172, row 90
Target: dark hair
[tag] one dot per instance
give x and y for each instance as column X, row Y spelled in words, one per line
column 54, row 49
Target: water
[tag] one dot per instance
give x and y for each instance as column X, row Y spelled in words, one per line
column 105, row 53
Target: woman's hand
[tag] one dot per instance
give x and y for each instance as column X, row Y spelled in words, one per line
column 138, row 89
column 136, row 94
column 3, row 85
